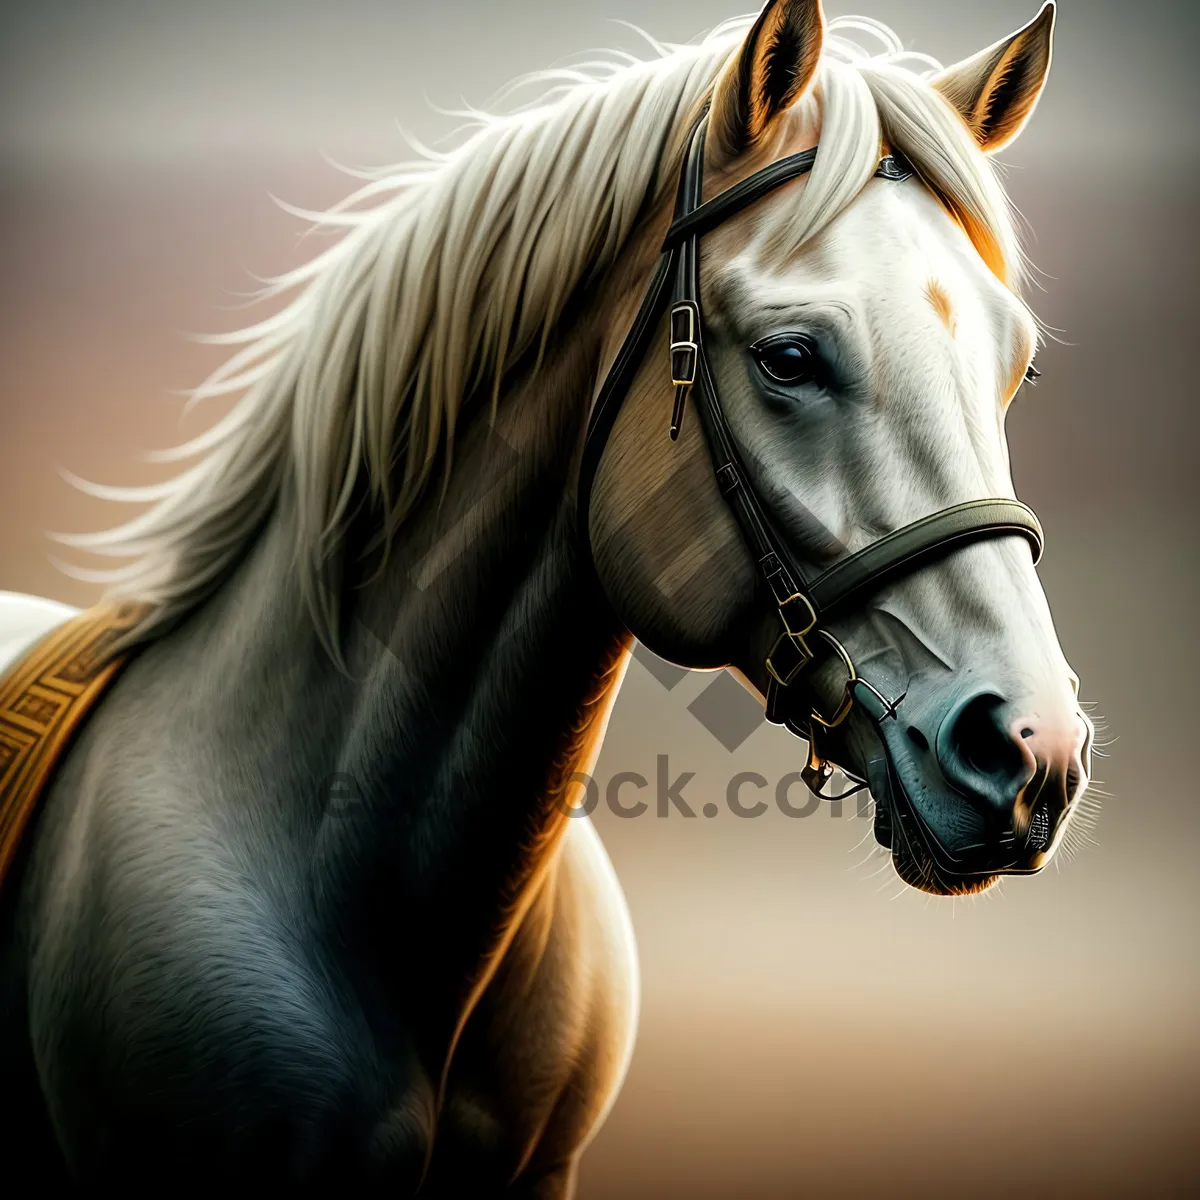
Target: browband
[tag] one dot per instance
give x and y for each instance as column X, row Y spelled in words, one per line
column 741, row 195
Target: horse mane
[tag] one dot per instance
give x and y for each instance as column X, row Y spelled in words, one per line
column 451, row 267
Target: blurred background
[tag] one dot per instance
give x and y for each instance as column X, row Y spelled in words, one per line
column 808, row 1026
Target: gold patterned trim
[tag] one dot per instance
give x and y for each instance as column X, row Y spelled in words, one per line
column 44, row 699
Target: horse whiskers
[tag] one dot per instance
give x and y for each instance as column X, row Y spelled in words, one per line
column 883, row 866
column 863, row 862
column 1077, row 839
column 857, row 845
column 1077, row 836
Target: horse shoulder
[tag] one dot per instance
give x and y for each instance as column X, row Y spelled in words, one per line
column 545, row 1051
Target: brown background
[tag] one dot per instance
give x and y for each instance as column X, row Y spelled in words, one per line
column 807, row 1026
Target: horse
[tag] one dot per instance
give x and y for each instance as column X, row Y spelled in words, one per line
column 303, row 903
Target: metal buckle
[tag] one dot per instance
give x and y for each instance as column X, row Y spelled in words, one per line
column 794, row 635
column 803, row 656
column 684, row 348
column 810, row 614
column 887, row 708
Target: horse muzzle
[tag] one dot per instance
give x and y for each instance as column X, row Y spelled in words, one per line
column 975, row 791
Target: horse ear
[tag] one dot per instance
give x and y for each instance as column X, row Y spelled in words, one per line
column 996, row 90
column 770, row 72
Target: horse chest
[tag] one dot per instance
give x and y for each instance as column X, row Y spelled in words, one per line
column 190, row 1022
column 217, row 1047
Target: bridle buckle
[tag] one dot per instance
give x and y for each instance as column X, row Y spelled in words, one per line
column 807, row 619
column 791, row 653
column 789, row 656
column 685, row 350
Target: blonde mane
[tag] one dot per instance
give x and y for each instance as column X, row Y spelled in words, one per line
column 451, row 267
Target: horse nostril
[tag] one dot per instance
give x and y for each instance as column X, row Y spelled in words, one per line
column 978, row 755
column 917, row 738
column 981, row 739
column 1027, row 732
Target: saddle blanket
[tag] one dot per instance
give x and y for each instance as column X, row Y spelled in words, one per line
column 45, row 696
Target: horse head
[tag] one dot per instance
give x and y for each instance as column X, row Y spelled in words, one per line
column 864, row 332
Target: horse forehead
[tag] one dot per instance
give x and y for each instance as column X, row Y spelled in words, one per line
column 896, row 252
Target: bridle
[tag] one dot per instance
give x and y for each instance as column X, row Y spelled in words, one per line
column 804, row 605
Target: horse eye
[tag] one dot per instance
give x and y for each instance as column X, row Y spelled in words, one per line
column 1032, row 375
column 789, row 359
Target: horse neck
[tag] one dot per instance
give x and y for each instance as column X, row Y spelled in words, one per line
column 426, row 784
column 483, row 662
column 489, row 655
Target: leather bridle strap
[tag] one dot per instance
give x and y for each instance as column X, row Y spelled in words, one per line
column 905, row 549
column 802, row 605
column 728, row 203
column 705, row 217
column 689, row 223
column 691, row 220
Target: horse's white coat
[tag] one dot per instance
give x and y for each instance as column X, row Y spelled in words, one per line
column 915, row 424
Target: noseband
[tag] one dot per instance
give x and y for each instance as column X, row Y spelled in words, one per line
column 804, row 605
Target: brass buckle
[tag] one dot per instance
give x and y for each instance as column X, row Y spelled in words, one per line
column 684, row 349
column 810, row 615
column 794, row 634
column 804, row 658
